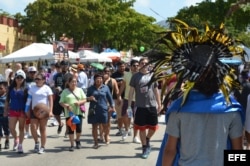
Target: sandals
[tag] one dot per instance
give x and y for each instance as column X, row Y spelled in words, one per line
column 95, row 146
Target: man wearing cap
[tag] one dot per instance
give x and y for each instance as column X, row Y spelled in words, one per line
column 31, row 75
column 30, row 80
column 82, row 81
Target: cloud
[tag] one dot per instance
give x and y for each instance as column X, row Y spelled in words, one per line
column 143, row 3
column 193, row 2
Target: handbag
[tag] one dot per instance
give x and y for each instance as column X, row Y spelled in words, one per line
column 91, row 111
column 82, row 106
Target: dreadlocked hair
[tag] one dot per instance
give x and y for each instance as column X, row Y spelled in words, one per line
column 195, row 59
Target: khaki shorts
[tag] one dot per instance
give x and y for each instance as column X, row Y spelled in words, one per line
column 118, row 109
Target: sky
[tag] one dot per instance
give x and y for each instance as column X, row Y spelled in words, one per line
column 159, row 9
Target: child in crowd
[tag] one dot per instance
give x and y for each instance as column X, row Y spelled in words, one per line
column 4, row 124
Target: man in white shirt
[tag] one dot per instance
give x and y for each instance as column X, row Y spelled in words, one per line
column 82, row 81
column 7, row 71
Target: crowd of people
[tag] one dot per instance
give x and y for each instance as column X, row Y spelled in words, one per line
column 65, row 91
column 200, row 111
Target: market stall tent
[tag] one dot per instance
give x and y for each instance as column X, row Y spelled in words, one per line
column 90, row 56
column 34, row 52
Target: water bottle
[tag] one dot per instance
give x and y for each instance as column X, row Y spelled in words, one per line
column 130, row 112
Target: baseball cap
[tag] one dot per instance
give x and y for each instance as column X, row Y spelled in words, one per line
column 32, row 69
column 20, row 73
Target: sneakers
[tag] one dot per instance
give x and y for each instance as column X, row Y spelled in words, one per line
column 95, row 146
column 78, row 144
column 36, row 148
column 20, row 149
column 41, row 150
column 124, row 135
column 26, row 135
column 16, row 142
column 6, row 144
column 136, row 140
column 129, row 133
column 146, row 152
column 119, row 133
column 71, row 149
column 59, row 130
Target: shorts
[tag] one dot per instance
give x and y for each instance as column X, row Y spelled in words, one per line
column 146, row 118
column 118, row 109
column 78, row 126
column 57, row 108
column 4, row 126
column 125, row 107
column 27, row 121
column 18, row 114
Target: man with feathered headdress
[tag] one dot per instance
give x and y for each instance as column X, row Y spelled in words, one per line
column 202, row 118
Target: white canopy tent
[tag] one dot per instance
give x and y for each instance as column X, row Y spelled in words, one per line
column 115, row 56
column 90, row 56
column 34, row 52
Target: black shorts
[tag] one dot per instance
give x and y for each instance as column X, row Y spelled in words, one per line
column 57, row 108
column 146, row 118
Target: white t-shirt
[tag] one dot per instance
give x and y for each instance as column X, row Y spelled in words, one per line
column 40, row 94
column 7, row 72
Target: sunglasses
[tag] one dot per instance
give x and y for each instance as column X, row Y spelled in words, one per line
column 144, row 63
column 19, row 77
column 135, row 65
column 38, row 79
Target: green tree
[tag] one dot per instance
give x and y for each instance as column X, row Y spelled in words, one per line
column 214, row 13
column 110, row 23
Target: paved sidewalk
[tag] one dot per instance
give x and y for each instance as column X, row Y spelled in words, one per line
column 117, row 153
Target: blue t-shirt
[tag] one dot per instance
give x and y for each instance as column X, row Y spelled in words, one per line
column 17, row 100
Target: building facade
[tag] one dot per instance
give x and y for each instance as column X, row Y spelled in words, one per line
column 12, row 38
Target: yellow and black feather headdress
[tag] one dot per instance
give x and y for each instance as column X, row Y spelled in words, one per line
column 195, row 58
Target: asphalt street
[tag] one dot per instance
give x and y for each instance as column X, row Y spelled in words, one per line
column 117, row 153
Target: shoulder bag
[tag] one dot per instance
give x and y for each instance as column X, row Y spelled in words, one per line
column 82, row 106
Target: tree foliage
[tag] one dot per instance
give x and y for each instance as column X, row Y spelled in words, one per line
column 234, row 13
column 108, row 23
